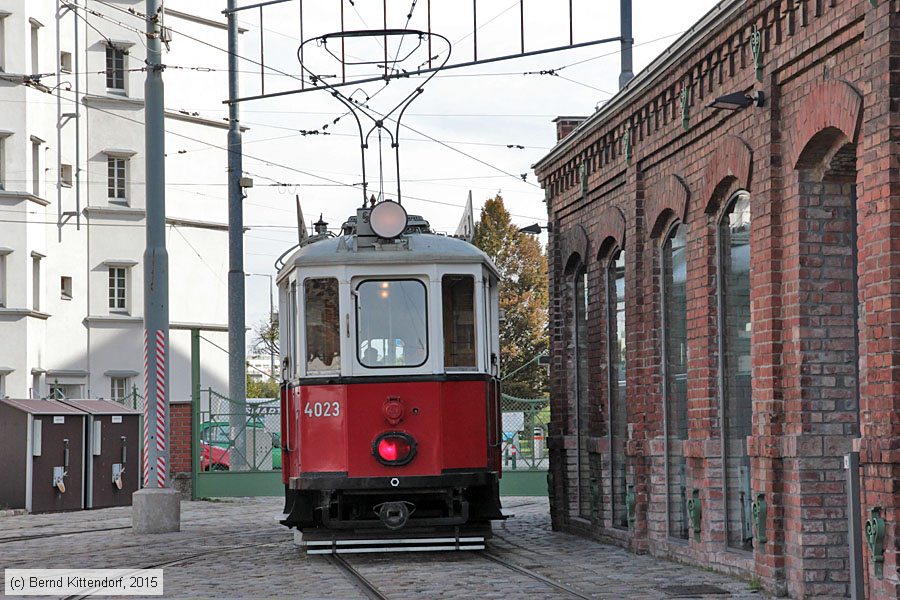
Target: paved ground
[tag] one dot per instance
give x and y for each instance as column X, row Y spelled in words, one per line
column 236, row 549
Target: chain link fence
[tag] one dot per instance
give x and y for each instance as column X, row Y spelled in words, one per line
column 239, row 436
column 524, row 433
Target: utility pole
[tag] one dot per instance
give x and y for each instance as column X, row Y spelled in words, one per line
column 627, row 73
column 156, row 508
column 237, row 327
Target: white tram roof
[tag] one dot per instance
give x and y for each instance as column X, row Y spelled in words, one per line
column 411, row 248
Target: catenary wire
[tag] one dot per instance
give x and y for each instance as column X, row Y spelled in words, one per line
column 457, row 150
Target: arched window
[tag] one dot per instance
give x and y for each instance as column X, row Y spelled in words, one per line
column 674, row 362
column 733, row 250
column 618, row 418
column 582, row 415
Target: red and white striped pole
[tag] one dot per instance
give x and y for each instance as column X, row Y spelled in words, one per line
column 155, row 409
column 157, row 507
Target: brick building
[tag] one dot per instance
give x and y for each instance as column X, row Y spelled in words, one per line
column 724, row 316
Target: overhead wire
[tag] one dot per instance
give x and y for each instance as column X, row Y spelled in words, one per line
column 265, row 161
column 338, row 183
column 485, row 163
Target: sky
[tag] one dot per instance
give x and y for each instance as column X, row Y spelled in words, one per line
column 475, row 128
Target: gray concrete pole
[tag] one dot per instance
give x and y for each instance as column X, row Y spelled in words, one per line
column 237, row 328
column 627, row 73
column 157, row 507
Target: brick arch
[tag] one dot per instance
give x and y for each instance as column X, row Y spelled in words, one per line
column 573, row 243
column 610, row 227
column 669, row 196
column 730, row 161
column 830, row 106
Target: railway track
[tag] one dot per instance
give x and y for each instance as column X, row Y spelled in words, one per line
column 368, row 588
column 190, row 557
column 373, row 592
column 38, row 536
column 568, row 590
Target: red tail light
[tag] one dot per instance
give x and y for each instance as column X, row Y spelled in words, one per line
column 394, row 448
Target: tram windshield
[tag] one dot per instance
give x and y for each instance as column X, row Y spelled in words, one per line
column 391, row 317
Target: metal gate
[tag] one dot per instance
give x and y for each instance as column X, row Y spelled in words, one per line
column 236, row 446
column 525, row 457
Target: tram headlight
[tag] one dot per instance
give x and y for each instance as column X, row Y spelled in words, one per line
column 394, row 448
column 388, row 219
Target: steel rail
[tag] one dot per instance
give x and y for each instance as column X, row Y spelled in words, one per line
column 38, row 536
column 537, row 576
column 358, row 579
column 176, row 561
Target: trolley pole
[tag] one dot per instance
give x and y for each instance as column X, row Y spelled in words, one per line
column 627, row 73
column 157, row 508
column 237, row 332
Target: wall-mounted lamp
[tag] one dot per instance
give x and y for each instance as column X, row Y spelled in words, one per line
column 536, row 228
column 738, row 100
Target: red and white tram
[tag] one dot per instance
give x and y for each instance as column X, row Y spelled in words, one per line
column 390, row 393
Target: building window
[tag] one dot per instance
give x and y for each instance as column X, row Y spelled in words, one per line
column 35, row 45
column 733, row 241
column 65, row 287
column 118, row 289
column 65, row 62
column 36, row 282
column 458, row 301
column 3, row 16
column 115, row 69
column 391, row 323
column 61, row 391
column 2, row 280
column 35, row 166
column 322, row 326
column 3, row 137
column 115, row 178
column 582, row 397
column 118, row 388
column 674, row 336
column 65, row 175
column 618, row 427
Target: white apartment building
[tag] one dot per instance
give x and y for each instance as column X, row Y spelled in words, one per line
column 260, row 368
column 72, row 206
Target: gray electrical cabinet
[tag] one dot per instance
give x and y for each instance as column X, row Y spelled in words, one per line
column 42, row 445
column 111, row 457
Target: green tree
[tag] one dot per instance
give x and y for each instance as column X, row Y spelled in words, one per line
column 523, row 297
column 261, row 388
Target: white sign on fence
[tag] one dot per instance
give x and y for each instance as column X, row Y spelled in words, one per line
column 513, row 421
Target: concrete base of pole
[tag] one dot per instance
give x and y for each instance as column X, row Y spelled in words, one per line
column 156, row 511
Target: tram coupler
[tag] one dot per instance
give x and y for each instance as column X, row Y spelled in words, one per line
column 394, row 515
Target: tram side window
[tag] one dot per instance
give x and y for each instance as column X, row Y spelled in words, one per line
column 391, row 321
column 323, row 326
column 459, row 321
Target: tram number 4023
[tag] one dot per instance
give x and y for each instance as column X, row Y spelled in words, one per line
column 322, row 409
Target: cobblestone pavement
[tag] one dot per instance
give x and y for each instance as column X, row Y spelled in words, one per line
column 236, row 549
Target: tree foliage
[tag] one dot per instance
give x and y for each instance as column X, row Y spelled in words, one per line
column 523, row 296
column 261, row 388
